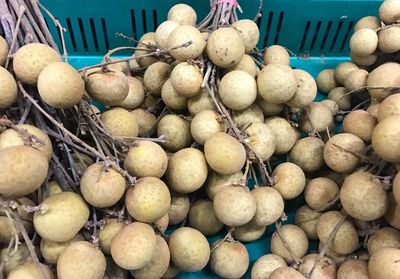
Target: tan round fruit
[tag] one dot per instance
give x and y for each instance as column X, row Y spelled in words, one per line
column 148, row 200
column 289, row 180
column 81, row 259
column 162, row 223
column 238, row 90
column 60, row 85
column 216, row 181
column 371, row 22
column 147, row 43
column 15, row 137
column 385, row 237
column 265, row 265
column 392, row 215
column 324, row 269
column 155, row 76
column 135, row 94
column 337, row 258
column 179, row 209
column 134, row 246
column 333, row 106
column 338, row 95
column 364, row 60
column 177, row 132
column 229, row 259
column 326, row 80
column 171, row 98
column 248, row 232
column 106, row 234
column 388, row 107
column 186, row 79
column 108, row 88
column 163, row 31
column 386, row 75
column 342, row 70
column 190, row 251
column 306, row 90
column 62, row 217
column 342, row 152
column 120, row 123
column 8, row 88
column 122, row 66
column 224, row 153
column 145, row 119
column 352, row 269
column 285, row 134
column 363, row 196
column 204, row 124
column 14, row 258
column 307, row 153
column 277, row 83
column 285, row 272
column 23, row 170
column 269, row 109
column 269, row 204
column 295, row 237
column 146, row 158
column 384, row 263
column 345, row 240
column 320, row 192
column 360, row 123
column 384, row 139
column 396, row 187
column 30, row 270
column 307, row 219
column 184, row 34
column 389, row 12
column 318, row 118
column 202, row 217
column 252, row 114
column 200, row 102
column 225, row 47
column 102, row 186
column 182, row 14
column 234, row 205
column 247, row 65
column 364, row 42
column 261, row 140
column 249, row 31
column 276, row 54
column 389, row 40
column 3, row 51
column 373, row 110
column 31, row 59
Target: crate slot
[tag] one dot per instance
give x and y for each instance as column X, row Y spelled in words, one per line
column 104, row 28
column 133, row 21
column 305, row 35
column 346, row 36
column 155, row 19
column 316, row 33
column 82, row 29
column 71, row 33
column 144, row 20
column 269, row 24
column 339, row 28
column 278, row 29
column 94, row 34
column 324, row 40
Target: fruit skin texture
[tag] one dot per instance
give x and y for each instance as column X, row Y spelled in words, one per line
column 181, row 35
column 270, row 205
column 285, row 272
column 229, row 259
column 289, row 180
column 389, row 12
column 134, row 246
column 364, row 42
column 360, row 123
column 23, row 170
column 261, row 140
column 31, row 59
column 81, row 260
column 60, row 85
column 177, row 131
column 224, row 154
column 186, row 79
column 29, row 270
column 102, row 187
column 363, row 196
column 190, row 251
column 386, row 75
column 265, row 265
column 326, row 80
column 307, row 153
column 384, row 264
column 148, row 200
column 8, row 89
column 107, row 232
column 187, row 170
column 276, row 54
column 202, row 217
column 146, row 158
column 182, row 14
column 385, row 139
column 66, row 214
column 385, row 237
column 234, row 205
column 120, row 123
column 249, row 30
column 352, row 269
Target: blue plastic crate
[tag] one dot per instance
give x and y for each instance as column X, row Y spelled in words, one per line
column 317, row 30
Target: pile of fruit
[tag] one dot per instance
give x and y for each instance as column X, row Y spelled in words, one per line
column 123, row 168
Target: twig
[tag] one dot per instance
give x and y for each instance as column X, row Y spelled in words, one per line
column 14, row 39
column 296, row 259
column 258, row 14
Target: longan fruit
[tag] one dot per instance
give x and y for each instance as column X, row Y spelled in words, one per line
column 364, row 42
column 285, row 272
column 182, row 14
column 270, row 205
column 392, row 214
column 306, row 90
column 319, row 192
column 261, row 140
column 186, row 79
column 8, row 88
column 252, row 114
column 289, row 180
column 120, row 123
column 389, row 11
column 353, row 268
column 14, row 258
column 106, row 234
column 360, row 123
column 247, row 65
column 179, row 209
column 162, row 223
column 265, row 265
column 364, row 60
column 181, row 35
column 385, row 237
column 385, row 139
column 342, row 70
column 386, row 75
column 307, row 219
column 249, row 232
column 145, row 119
column 30, row 270
column 285, row 134
column 3, row 51
column 163, row 31
column 269, row 109
column 147, row 41
column 249, row 31
column 324, row 269
column 326, row 80
column 384, row 263
column 388, row 107
column 276, row 54
column 216, row 181
column 371, row 22
column 155, row 76
column 52, row 250
column 202, row 217
column 389, row 40
column 316, row 118
column 205, row 124
column 333, row 106
column 171, row 98
column 307, row 153
column 200, row 102
column 338, row 95
column 135, row 94
column 31, row 59
column 176, row 130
